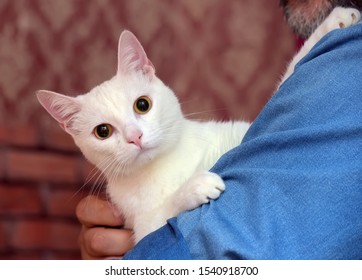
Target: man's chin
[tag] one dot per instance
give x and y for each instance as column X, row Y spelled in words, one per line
column 304, row 16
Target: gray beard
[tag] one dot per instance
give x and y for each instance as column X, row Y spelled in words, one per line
column 304, row 24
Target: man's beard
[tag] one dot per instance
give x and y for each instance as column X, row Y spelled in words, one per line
column 304, row 16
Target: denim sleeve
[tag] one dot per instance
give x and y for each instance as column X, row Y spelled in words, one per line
column 165, row 244
column 294, row 186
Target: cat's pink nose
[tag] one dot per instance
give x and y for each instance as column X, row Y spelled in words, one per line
column 134, row 137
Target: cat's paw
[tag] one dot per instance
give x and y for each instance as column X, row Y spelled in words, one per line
column 342, row 18
column 199, row 189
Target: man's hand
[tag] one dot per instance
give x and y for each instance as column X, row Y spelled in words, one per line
column 101, row 236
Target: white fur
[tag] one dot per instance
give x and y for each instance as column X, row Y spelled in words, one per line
column 167, row 173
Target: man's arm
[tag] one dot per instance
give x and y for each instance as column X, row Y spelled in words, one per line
column 293, row 187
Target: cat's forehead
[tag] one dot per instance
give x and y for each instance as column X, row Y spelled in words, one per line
column 115, row 97
column 123, row 87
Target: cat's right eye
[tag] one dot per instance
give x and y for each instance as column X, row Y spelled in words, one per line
column 103, row 131
column 142, row 105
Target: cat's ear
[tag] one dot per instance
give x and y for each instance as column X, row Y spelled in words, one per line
column 62, row 108
column 132, row 56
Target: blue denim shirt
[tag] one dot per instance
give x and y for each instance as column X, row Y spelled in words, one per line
column 294, row 185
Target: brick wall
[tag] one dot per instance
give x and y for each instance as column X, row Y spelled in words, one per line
column 41, row 179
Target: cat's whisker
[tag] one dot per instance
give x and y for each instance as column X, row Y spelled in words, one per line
column 91, row 175
column 206, row 112
column 121, row 167
column 118, row 168
column 100, row 179
column 88, row 179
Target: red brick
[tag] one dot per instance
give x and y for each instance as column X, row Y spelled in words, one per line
column 91, row 175
column 37, row 166
column 41, row 255
column 62, row 202
column 18, row 135
column 22, row 255
column 3, row 237
column 19, row 200
column 68, row 255
column 56, row 138
column 45, row 234
column 2, row 164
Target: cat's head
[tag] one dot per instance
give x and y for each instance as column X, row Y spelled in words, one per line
column 125, row 122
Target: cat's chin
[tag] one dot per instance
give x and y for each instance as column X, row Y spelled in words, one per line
column 144, row 157
column 138, row 159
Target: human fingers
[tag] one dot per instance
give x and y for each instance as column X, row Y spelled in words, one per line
column 100, row 242
column 93, row 211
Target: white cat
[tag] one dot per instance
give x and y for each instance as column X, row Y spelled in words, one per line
column 132, row 128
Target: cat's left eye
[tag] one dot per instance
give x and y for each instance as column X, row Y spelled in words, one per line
column 142, row 105
column 103, row 131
